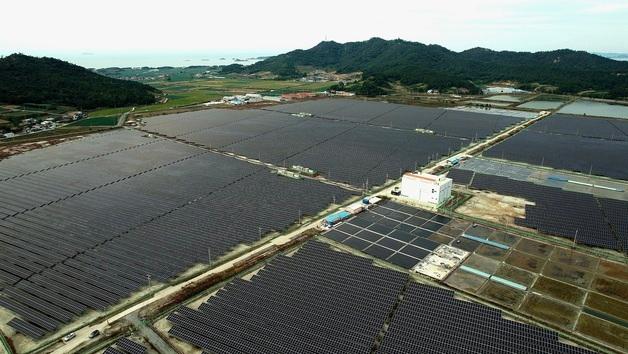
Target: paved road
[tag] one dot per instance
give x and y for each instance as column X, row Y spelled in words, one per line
column 123, row 117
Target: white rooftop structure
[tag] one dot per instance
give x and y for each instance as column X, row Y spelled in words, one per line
column 426, row 188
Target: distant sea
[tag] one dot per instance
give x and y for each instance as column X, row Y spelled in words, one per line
column 107, row 60
column 615, row 56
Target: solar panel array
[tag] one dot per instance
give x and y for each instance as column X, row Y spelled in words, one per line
column 588, row 219
column 431, row 320
column 340, row 150
column 112, row 350
column 368, row 154
column 35, row 189
column 126, row 346
column 189, row 122
column 393, row 232
column 322, row 301
column 316, row 300
column 592, row 127
column 89, row 244
column 446, row 122
column 460, row 176
column 352, row 141
column 559, row 148
column 71, row 152
column 470, row 124
column 240, row 130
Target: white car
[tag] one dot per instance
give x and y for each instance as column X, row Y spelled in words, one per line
column 68, row 337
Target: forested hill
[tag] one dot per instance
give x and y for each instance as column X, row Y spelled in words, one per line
column 26, row 79
column 437, row 67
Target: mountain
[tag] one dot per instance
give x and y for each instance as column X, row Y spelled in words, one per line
column 26, row 79
column 437, row 67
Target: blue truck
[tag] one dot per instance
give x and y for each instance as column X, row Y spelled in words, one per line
column 336, row 217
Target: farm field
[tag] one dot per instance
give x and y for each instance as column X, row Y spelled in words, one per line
column 193, row 92
column 562, row 287
column 111, row 120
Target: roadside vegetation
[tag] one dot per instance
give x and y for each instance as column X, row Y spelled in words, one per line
column 111, row 120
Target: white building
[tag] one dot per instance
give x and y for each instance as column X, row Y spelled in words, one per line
column 253, row 97
column 426, row 188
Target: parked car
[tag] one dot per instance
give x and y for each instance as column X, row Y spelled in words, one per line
column 68, row 337
column 95, row 333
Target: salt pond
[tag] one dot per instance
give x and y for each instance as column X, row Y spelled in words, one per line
column 541, row 104
column 592, row 108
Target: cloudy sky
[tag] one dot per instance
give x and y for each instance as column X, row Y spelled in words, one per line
column 131, row 26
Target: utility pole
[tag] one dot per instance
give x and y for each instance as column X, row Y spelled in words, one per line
column 574, row 239
column 259, row 230
column 148, row 278
column 209, row 256
column 299, row 216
